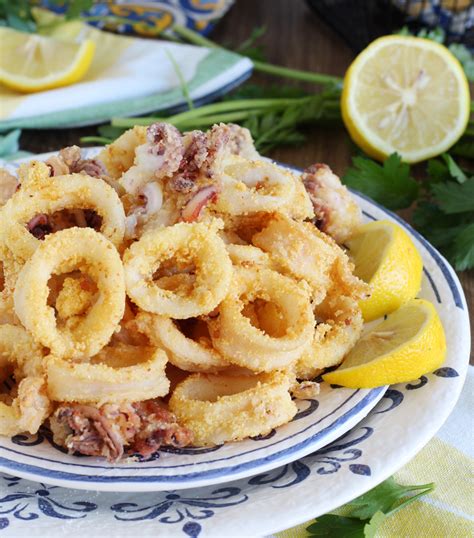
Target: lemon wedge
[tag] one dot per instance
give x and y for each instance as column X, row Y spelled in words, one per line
column 386, row 258
column 407, row 95
column 408, row 344
column 31, row 63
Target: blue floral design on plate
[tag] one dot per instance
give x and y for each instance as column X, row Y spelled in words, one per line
column 175, row 508
column 29, row 505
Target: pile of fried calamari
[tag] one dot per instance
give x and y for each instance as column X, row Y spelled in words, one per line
column 175, row 290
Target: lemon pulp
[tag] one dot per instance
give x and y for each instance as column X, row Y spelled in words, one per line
column 409, row 343
column 407, row 95
column 30, row 62
column 385, row 257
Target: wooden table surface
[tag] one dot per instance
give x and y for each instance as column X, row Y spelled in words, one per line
column 296, row 38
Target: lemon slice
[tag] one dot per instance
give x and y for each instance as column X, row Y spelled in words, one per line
column 31, row 63
column 408, row 344
column 386, row 258
column 407, row 95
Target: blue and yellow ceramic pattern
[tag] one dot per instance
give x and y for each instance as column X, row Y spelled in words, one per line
column 154, row 17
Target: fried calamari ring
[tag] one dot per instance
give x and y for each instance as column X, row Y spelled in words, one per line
column 64, row 252
column 9, row 269
column 74, row 298
column 300, row 250
column 74, row 191
column 30, row 407
column 245, row 344
column 118, row 157
column 332, row 340
column 220, row 408
column 195, row 245
column 336, row 211
column 341, row 322
column 28, row 410
column 248, row 256
column 18, row 347
column 251, row 186
column 192, row 355
column 116, row 374
column 159, row 157
column 299, row 207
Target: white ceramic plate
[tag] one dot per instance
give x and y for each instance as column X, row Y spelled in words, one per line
column 408, row 415
column 328, row 478
column 317, row 423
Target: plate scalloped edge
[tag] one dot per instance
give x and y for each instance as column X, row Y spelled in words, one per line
column 394, row 431
column 317, row 424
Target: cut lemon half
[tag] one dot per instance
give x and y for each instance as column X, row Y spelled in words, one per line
column 31, row 63
column 407, row 95
column 408, row 344
column 385, row 257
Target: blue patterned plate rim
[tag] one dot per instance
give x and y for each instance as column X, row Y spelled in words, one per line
column 136, row 483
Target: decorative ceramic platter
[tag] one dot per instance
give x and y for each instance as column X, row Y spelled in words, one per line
column 317, row 423
column 406, row 418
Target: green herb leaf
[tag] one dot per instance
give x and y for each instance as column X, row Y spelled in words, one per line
column 337, row 527
column 454, row 169
column 182, row 82
column 454, row 197
column 466, row 58
column 17, row 15
column 389, row 184
column 248, row 47
column 436, row 34
column 108, row 131
column 368, row 511
column 463, row 256
column 437, row 171
column 446, row 232
column 371, row 528
column 382, row 498
column 440, row 229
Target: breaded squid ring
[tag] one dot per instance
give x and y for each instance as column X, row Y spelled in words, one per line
column 246, row 345
column 332, row 341
column 9, row 269
column 301, row 250
column 17, row 346
column 220, row 408
column 74, row 191
column 74, row 298
column 31, row 406
column 252, row 186
column 116, row 374
column 64, row 252
column 248, row 256
column 118, row 157
column 341, row 322
column 183, row 352
column 192, row 243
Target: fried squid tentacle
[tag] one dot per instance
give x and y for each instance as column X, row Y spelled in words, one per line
column 337, row 213
column 113, row 430
column 157, row 159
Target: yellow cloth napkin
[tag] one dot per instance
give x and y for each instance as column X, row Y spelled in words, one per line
column 448, row 461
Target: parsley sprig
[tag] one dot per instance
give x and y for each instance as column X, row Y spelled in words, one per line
column 369, row 511
column 389, row 183
column 444, row 210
